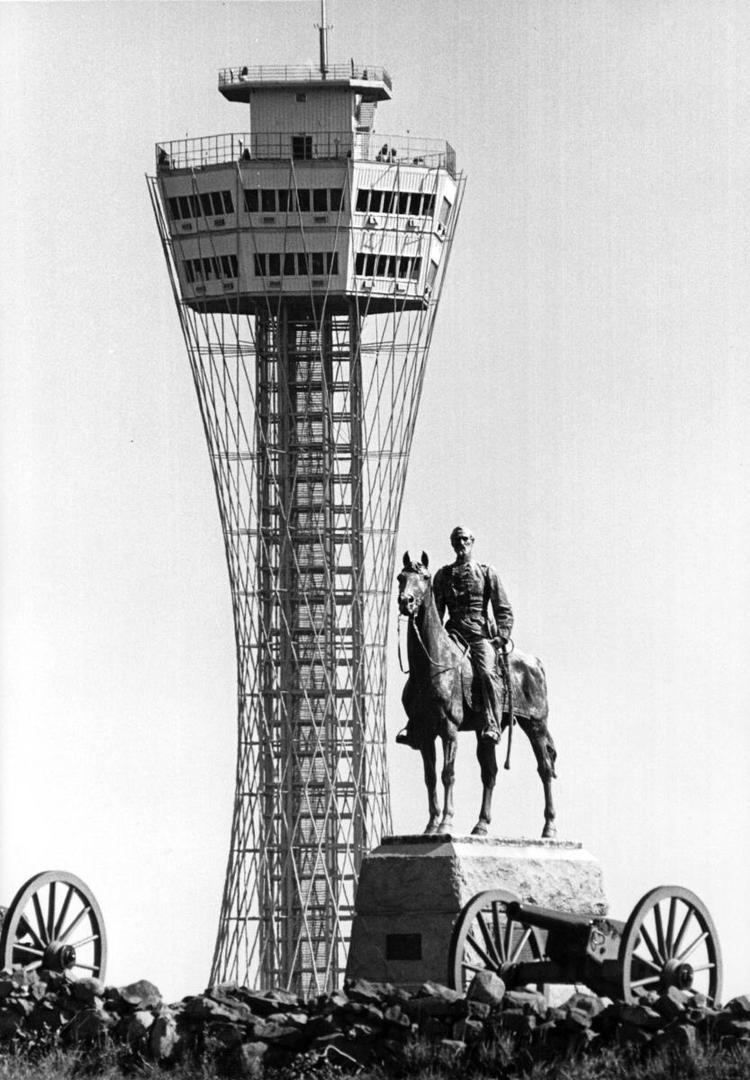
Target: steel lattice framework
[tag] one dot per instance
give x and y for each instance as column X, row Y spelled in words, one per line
column 308, row 403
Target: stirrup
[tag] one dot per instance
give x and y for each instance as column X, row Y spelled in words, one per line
column 491, row 735
column 405, row 739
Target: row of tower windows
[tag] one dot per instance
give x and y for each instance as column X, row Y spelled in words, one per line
column 305, row 200
column 212, row 268
column 379, row 201
column 401, row 266
column 207, row 204
column 296, row 263
column 283, row 200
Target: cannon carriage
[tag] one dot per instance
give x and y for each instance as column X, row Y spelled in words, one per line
column 54, row 923
column 669, row 940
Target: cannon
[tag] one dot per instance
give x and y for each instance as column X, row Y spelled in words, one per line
column 668, row 941
column 54, row 923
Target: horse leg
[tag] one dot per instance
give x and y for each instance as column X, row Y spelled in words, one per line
column 488, row 767
column 544, row 751
column 430, row 779
column 448, row 776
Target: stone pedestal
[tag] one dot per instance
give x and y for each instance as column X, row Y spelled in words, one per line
column 413, row 888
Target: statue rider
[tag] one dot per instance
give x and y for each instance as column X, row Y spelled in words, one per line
column 480, row 617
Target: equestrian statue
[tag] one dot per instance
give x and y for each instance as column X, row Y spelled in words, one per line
column 466, row 676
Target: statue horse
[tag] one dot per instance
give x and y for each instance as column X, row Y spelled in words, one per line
column 438, row 696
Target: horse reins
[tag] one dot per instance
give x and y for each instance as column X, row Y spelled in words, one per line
column 434, row 663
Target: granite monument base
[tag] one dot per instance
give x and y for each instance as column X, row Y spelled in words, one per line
column 413, row 888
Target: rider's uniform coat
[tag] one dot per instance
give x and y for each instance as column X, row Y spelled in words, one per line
column 474, row 597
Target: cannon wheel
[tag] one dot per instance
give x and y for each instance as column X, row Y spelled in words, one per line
column 54, row 922
column 670, row 940
column 486, row 938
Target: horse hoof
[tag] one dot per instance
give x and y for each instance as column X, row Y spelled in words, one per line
column 431, row 829
column 549, row 832
column 480, row 829
column 445, row 825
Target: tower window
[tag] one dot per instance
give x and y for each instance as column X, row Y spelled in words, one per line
column 268, row 200
column 320, row 200
column 251, row 200
column 302, row 146
column 300, row 97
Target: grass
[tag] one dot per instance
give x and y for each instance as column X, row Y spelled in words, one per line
column 424, row 1061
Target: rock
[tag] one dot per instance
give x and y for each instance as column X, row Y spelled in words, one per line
column 477, row 1010
column 726, row 1024
column 164, row 1041
column 530, row 1001
column 439, row 992
column 579, row 1011
column 366, row 992
column 206, row 1008
column 281, row 1000
column 681, row 1037
column 87, row 990
column 487, row 987
column 10, row 1024
column 468, row 1031
column 247, row 1060
column 640, row 1016
column 137, row 1030
column 335, row 1000
column 672, row 1003
column 739, row 1006
column 516, row 1020
column 139, row 995
column 38, row 992
column 418, row 1009
column 88, row 1026
column 223, row 1033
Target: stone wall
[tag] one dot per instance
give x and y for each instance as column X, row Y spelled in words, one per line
column 243, row 1031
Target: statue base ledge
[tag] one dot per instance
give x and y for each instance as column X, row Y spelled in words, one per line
column 492, row 841
column 412, row 889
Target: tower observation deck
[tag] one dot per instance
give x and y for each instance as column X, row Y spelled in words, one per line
column 306, row 256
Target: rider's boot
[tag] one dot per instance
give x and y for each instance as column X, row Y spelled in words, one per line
column 406, row 738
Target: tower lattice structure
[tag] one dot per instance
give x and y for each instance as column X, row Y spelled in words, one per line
column 306, row 259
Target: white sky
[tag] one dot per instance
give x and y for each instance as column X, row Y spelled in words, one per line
column 585, row 409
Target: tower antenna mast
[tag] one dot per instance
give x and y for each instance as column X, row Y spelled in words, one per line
column 323, row 29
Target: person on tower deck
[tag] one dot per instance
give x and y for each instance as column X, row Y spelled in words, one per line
column 480, row 617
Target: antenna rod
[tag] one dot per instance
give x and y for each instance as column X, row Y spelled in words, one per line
column 323, row 32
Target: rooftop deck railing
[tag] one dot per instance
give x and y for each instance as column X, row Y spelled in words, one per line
column 278, row 146
column 304, row 73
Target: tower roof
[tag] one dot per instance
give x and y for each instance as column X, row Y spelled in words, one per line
column 372, row 82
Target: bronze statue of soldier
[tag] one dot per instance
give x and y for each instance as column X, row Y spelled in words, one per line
column 480, row 619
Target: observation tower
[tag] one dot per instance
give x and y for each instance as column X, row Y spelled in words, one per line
column 306, row 256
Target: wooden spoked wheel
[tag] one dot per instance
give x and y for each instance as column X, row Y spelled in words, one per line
column 487, row 938
column 670, row 940
column 54, row 923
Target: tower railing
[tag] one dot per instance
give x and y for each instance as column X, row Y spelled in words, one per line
column 229, row 147
column 303, row 73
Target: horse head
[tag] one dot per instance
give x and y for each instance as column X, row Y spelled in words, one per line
column 414, row 583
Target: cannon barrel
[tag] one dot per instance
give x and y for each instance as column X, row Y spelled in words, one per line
column 550, row 919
